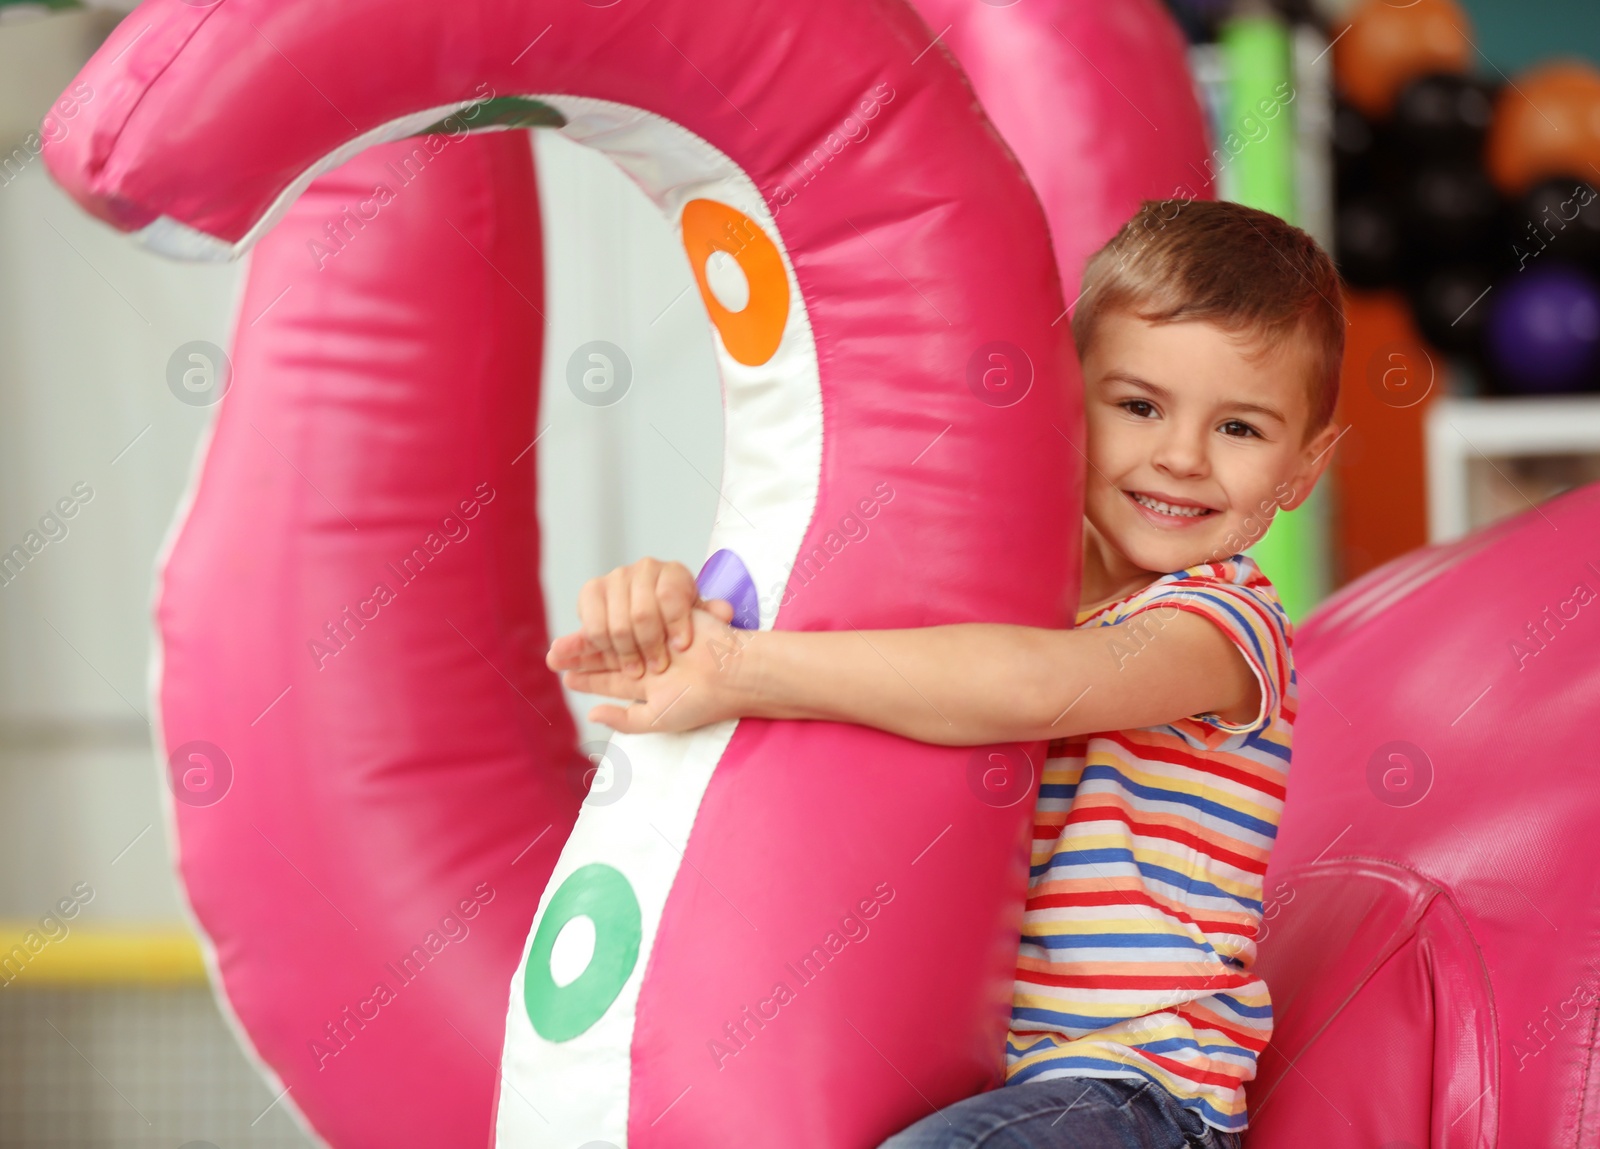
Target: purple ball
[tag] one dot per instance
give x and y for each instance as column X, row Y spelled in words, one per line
column 1544, row 330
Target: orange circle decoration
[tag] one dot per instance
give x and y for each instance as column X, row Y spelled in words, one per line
column 752, row 333
column 1388, row 44
column 1547, row 124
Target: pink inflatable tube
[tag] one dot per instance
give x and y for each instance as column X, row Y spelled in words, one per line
column 1095, row 99
column 352, row 636
column 1430, row 922
column 801, row 934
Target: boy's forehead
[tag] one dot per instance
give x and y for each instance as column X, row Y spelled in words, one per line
column 1190, row 357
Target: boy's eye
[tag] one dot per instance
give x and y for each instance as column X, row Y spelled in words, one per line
column 1239, row 429
column 1140, row 407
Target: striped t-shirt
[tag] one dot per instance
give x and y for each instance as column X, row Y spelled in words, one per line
column 1149, row 851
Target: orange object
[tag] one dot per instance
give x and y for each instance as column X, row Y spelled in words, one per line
column 752, row 333
column 1547, row 123
column 1387, row 45
column 1380, row 503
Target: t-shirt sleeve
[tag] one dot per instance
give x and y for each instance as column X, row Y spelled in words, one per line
column 1253, row 620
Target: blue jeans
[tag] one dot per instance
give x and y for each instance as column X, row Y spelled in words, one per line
column 1066, row 1113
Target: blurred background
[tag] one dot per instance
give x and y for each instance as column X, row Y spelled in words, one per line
column 1447, row 150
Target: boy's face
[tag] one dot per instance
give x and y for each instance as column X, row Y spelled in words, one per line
column 1187, row 416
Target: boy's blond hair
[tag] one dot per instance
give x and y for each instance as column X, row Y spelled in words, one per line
column 1246, row 271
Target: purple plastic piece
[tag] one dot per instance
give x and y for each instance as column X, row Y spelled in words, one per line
column 725, row 576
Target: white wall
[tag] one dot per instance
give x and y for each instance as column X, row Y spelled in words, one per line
column 648, row 467
column 87, row 323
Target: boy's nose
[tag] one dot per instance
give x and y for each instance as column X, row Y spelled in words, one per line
column 1182, row 451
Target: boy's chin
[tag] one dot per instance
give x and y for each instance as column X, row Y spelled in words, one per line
column 1151, row 549
column 1171, row 555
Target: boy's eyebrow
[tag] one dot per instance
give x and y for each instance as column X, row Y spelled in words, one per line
column 1269, row 412
column 1155, row 389
column 1161, row 392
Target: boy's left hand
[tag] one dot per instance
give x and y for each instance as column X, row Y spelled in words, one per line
column 635, row 616
column 703, row 684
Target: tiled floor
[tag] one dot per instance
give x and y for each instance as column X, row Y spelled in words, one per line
column 127, row 1069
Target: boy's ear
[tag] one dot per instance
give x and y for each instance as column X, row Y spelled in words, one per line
column 1314, row 459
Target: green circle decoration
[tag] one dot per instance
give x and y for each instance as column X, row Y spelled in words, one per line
column 601, row 894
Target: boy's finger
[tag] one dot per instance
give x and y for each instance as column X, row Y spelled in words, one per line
column 619, row 621
column 595, row 662
column 720, row 607
column 599, row 660
column 592, row 615
column 649, row 630
column 567, row 652
column 576, row 652
column 634, row 719
column 678, row 594
column 613, row 716
column 556, row 658
column 610, row 683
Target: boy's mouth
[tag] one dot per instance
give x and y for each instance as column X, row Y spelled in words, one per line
column 1169, row 511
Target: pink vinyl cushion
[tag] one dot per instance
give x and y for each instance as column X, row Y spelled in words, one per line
column 1430, row 913
column 1096, row 101
column 396, row 752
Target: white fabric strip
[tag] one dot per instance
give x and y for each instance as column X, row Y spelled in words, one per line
column 576, row 1091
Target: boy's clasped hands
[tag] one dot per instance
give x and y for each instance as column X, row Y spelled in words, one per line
column 647, row 636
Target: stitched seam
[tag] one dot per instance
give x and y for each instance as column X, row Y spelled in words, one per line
column 116, row 139
column 1588, row 1064
column 1371, row 972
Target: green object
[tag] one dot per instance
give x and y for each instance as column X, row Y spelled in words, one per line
column 1258, row 151
column 18, row 11
column 1259, row 144
column 500, row 112
column 1294, row 555
column 601, row 894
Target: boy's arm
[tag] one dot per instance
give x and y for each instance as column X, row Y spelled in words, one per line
column 964, row 685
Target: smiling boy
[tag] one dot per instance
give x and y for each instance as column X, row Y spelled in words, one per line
column 1211, row 357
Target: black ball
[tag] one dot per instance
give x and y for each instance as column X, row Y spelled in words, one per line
column 1444, row 116
column 1354, row 136
column 1367, row 241
column 1451, row 209
column 1558, row 220
column 1451, row 307
column 1356, row 151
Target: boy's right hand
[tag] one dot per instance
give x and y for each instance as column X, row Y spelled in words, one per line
column 630, row 616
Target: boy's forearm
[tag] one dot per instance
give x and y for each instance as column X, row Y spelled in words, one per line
column 963, row 685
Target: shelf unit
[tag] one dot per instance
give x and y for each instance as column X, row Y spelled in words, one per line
column 1498, row 431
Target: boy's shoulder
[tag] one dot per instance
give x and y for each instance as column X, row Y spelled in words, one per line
column 1234, row 595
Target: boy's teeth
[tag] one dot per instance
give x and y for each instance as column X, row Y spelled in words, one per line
column 1169, row 509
